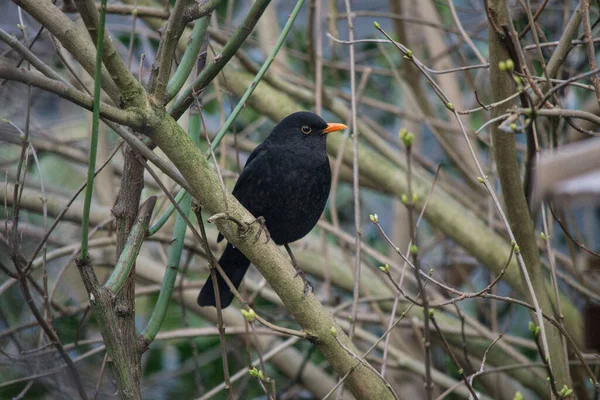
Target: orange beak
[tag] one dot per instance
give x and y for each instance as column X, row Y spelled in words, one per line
column 334, row 128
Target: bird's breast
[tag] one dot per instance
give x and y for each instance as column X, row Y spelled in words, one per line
column 299, row 190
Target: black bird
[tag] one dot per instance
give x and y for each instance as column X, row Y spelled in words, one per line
column 286, row 181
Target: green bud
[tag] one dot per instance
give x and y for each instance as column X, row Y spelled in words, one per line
column 461, row 371
column 450, row 106
column 431, row 313
column 415, row 198
column 513, row 127
column 414, row 249
column 562, row 391
column 517, row 249
column 254, row 372
column 565, row 392
column 536, row 332
column 509, row 64
column 479, row 179
column 134, row 12
column 333, row 331
column 409, row 53
column 518, row 396
column 248, row 315
column 5, row 120
column 502, row 65
column 376, row 25
column 402, row 133
column 531, row 326
column 408, row 139
column 385, row 268
column 543, row 235
column 404, row 198
column 374, row 218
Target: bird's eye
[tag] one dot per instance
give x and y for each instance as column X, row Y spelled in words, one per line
column 306, row 130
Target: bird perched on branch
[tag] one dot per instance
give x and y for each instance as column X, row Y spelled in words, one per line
column 285, row 184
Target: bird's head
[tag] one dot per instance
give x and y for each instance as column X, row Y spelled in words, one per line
column 304, row 128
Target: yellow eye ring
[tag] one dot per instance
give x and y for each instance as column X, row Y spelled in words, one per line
column 306, row 130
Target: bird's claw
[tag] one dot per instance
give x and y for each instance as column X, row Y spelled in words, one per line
column 262, row 226
column 307, row 285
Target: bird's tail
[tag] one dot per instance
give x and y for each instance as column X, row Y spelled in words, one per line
column 235, row 265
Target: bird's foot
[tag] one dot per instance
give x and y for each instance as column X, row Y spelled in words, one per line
column 307, row 285
column 262, row 227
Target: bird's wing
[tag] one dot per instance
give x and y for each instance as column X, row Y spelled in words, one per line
column 253, row 170
column 250, row 168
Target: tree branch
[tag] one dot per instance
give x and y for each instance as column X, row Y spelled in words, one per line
column 68, row 92
column 71, row 36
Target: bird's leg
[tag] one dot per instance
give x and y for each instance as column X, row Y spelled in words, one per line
column 262, row 227
column 307, row 285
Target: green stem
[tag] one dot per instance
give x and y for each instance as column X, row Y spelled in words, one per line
column 162, row 304
column 94, row 139
column 132, row 247
column 167, row 214
column 242, row 103
column 189, row 57
column 210, row 72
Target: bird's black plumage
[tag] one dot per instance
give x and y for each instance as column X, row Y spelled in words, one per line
column 286, row 180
